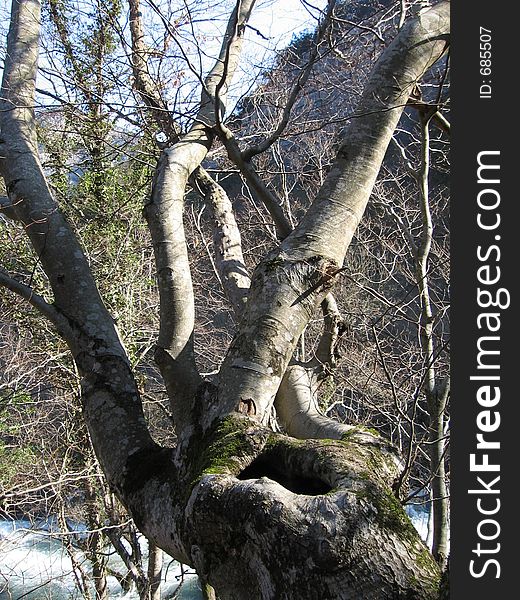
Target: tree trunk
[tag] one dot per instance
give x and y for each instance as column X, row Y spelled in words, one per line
column 154, row 573
column 439, row 490
column 317, row 520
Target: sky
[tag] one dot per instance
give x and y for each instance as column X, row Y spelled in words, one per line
column 273, row 25
column 278, row 21
column 282, row 18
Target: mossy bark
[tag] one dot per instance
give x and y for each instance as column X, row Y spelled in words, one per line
column 261, row 515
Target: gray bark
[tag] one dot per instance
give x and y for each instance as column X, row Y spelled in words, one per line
column 164, row 215
column 259, row 515
column 297, row 399
column 436, row 394
column 227, row 242
column 155, row 565
column 110, row 397
column 440, row 496
column 291, row 281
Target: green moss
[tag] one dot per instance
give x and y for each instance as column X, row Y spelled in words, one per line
column 370, row 430
column 424, row 587
column 360, row 429
column 390, row 516
column 424, row 558
column 225, row 449
column 279, row 442
column 390, row 513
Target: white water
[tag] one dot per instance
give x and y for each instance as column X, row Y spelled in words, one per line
column 420, row 516
column 34, row 565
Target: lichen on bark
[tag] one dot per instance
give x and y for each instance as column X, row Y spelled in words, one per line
column 282, row 490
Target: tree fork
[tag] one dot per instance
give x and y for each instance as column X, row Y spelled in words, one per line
column 324, row 504
column 259, row 515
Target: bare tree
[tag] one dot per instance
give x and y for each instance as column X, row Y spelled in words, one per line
column 258, row 514
column 436, row 389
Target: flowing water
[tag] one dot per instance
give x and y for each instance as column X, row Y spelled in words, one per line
column 34, row 565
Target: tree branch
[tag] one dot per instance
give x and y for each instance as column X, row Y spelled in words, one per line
column 143, row 83
column 262, row 192
column 109, row 393
column 218, row 80
column 297, row 407
column 229, row 259
column 47, row 310
column 164, row 212
column 328, row 226
column 302, row 79
column 7, row 209
column 289, row 284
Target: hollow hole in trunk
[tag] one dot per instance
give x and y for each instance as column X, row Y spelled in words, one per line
column 296, row 483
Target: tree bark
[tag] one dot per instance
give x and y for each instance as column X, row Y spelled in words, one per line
column 291, row 281
column 155, row 565
column 436, row 395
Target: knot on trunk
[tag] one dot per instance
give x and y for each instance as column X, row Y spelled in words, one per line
column 247, row 407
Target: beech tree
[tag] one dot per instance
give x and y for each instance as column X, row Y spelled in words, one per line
column 309, row 512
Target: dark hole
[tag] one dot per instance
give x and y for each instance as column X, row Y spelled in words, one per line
column 298, row 484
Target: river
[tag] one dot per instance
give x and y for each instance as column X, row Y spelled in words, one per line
column 34, row 565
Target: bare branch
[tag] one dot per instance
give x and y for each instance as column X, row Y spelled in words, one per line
column 329, row 224
column 143, row 82
column 219, row 78
column 297, row 407
column 226, row 240
column 7, row 209
column 262, row 192
column 291, row 282
column 333, row 325
column 302, row 79
column 164, row 214
column 94, row 340
column 47, row 310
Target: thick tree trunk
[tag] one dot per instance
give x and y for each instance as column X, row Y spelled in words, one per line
column 316, row 520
